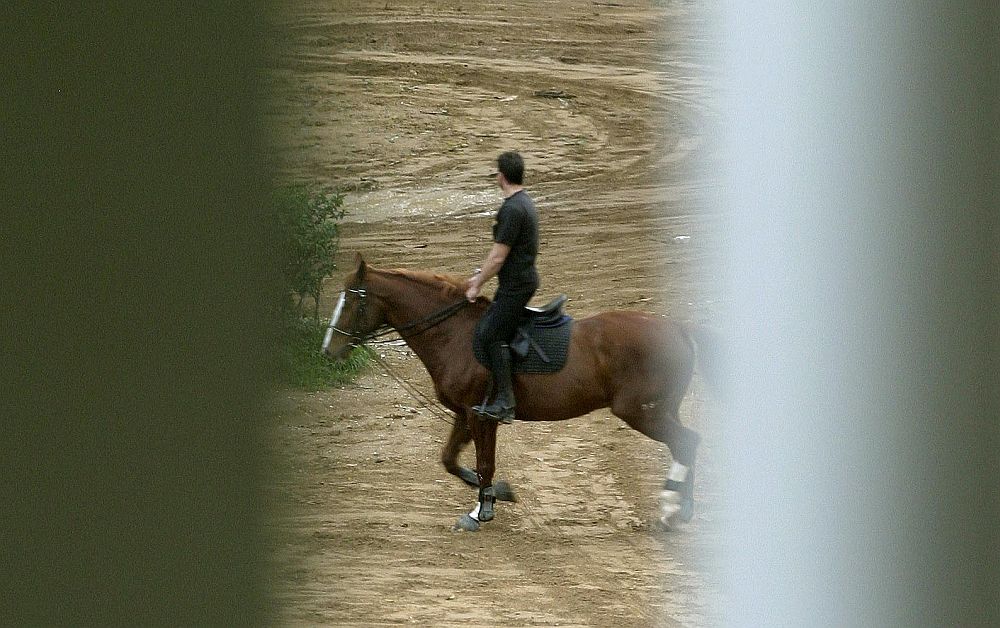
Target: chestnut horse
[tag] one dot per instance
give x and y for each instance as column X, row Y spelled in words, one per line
column 639, row 365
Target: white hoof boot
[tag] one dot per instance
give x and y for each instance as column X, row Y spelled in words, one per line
column 670, row 505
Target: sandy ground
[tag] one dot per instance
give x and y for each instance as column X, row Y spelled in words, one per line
column 407, row 104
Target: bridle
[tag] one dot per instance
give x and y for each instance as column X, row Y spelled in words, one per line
column 356, row 338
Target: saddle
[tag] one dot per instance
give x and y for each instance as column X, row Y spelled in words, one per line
column 549, row 313
column 541, row 344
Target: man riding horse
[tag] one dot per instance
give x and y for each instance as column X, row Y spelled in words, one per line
column 637, row 364
column 512, row 261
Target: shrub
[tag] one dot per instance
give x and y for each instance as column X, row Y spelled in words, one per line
column 309, row 222
column 306, row 367
column 310, row 233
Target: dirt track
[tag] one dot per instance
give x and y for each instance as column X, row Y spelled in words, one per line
column 408, row 104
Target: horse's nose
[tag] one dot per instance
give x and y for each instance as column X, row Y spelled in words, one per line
column 334, row 354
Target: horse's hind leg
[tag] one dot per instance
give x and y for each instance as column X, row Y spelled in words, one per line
column 661, row 421
column 678, row 490
column 677, row 498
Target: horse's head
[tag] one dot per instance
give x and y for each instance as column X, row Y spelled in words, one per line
column 358, row 314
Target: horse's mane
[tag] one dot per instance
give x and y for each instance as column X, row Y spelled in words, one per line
column 450, row 285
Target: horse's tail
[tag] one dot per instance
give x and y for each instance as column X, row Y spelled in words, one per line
column 710, row 357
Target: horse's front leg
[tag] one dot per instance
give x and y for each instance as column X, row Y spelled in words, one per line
column 484, row 434
column 459, row 437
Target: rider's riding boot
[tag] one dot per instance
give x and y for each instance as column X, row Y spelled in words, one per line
column 502, row 407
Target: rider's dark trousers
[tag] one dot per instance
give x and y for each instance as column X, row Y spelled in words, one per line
column 500, row 322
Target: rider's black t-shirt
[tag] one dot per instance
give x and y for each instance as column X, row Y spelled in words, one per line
column 517, row 227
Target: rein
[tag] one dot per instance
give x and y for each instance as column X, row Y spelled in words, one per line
column 435, row 407
column 431, row 320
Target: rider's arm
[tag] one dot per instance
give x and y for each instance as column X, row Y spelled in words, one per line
column 494, row 261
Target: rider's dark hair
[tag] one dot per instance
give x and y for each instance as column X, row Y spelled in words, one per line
column 511, row 165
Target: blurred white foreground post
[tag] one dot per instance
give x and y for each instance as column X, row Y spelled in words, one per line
column 860, row 143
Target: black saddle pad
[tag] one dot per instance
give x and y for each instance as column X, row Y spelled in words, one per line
column 540, row 346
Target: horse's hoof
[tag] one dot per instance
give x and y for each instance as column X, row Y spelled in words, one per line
column 504, row 491
column 670, row 506
column 468, row 476
column 465, row 523
column 675, row 509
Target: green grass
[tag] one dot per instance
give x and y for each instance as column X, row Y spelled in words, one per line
column 306, row 367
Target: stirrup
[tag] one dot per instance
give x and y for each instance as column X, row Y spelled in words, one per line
column 495, row 412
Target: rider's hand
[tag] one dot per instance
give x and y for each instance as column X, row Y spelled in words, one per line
column 473, row 285
column 472, row 288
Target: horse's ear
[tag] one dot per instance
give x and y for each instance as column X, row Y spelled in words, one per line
column 359, row 262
